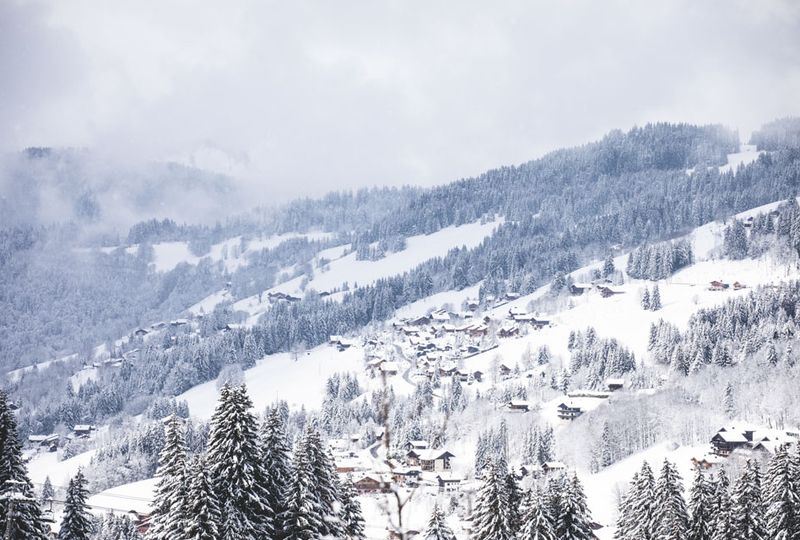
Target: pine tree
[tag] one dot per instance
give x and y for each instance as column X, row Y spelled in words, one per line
column 574, row 518
column 48, row 492
column 437, row 527
column 276, row 465
column 514, row 496
column 608, row 266
column 303, row 517
column 748, row 510
column 729, row 402
column 325, row 483
column 672, row 522
column 234, row 466
column 203, row 514
column 168, row 520
column 782, row 497
column 76, row 523
column 490, row 518
column 352, row 518
column 646, row 299
column 17, row 502
column 536, row 523
column 701, row 510
column 655, row 299
column 723, row 525
column 643, row 518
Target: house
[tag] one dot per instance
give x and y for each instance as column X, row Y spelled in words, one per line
column 518, row 405
column 416, row 445
column 141, row 332
column 83, row 431
column 606, row 291
column 717, row 285
column 435, row 460
column 277, row 296
column 440, row 315
column 473, row 305
column 553, row 466
column 372, row 483
column 738, row 286
column 727, row 440
column 45, row 441
column 567, row 410
column 508, row 330
column 706, row 461
column 529, row 470
column 464, row 375
column 420, row 321
column 578, row 289
column 511, row 296
column 409, row 533
column 412, row 457
column 178, row 322
column 615, row 384
column 504, row 370
column 389, row 368
column 477, row 329
column 407, row 476
column 448, row 481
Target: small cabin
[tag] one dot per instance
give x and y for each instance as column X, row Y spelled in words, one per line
column 518, row 405
column 615, row 384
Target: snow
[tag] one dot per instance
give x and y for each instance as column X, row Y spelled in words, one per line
column 747, row 154
column 45, row 464
column 347, row 269
column 136, row 497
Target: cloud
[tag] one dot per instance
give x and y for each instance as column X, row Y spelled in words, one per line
column 300, row 98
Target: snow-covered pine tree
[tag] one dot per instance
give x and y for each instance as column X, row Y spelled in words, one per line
column 276, row 465
column 723, row 523
column 642, row 507
column 608, row 266
column 352, row 518
column 672, row 521
column 490, row 517
column 574, row 518
column 536, row 523
column 168, row 520
column 515, row 498
column 437, row 526
column 748, row 509
column 782, row 497
column 77, row 522
column 655, row 299
column 325, row 483
column 646, row 299
column 203, row 513
column 700, row 508
column 729, row 401
column 303, row 517
column 233, row 462
column 47, row 492
column 20, row 514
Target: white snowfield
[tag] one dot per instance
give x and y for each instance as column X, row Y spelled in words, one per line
column 747, row 153
column 168, row 255
column 346, row 269
column 133, row 497
column 46, row 464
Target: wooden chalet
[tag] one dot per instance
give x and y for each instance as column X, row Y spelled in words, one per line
column 435, row 460
column 518, row 405
column 568, row 411
column 372, row 483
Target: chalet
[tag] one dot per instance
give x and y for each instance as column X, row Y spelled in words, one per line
column 323, row 294
column 409, row 533
column 435, row 460
column 504, row 370
column 518, row 405
column 553, row 466
column 389, row 368
column 511, row 296
column 440, row 315
column 407, row 476
column 412, row 457
column 141, row 332
column 45, row 441
column 567, row 410
column 278, row 296
column 178, row 322
column 717, row 286
column 578, row 289
column 508, row 330
column 615, row 384
column 464, row 375
column 447, row 369
column 477, row 329
column 409, row 330
column 607, row 292
column 748, row 222
column 725, row 442
column 705, row 461
column 83, row 431
column 472, row 349
column 420, row 321
column 416, row 445
column 738, row 286
column 529, row 470
column 448, row 481
column 473, row 305
column 373, row 483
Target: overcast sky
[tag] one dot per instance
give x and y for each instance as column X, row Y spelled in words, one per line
column 301, row 97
